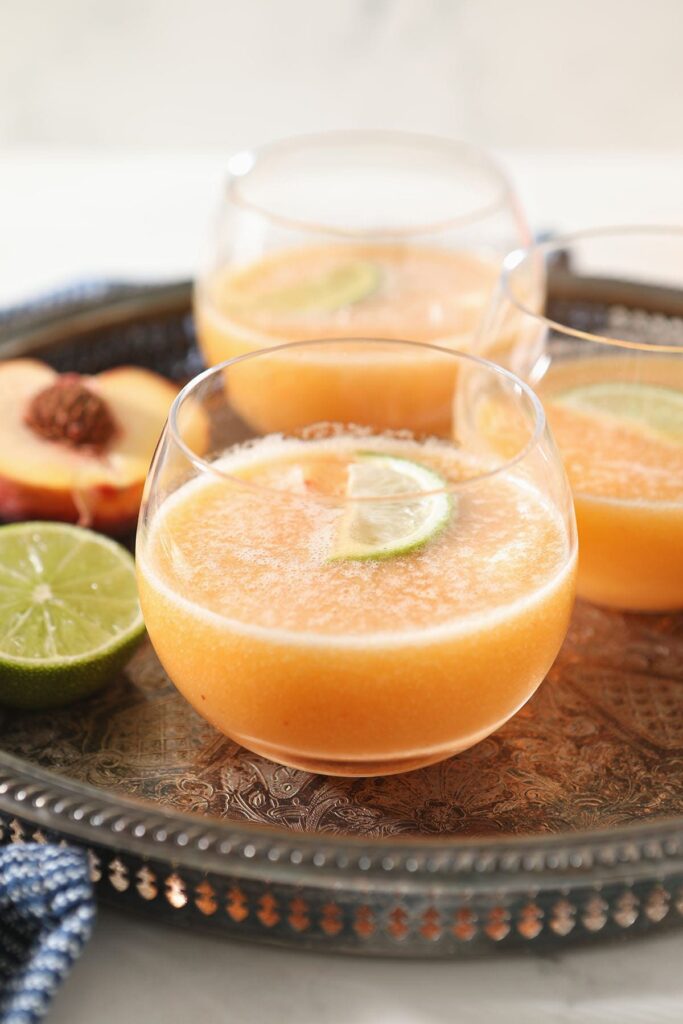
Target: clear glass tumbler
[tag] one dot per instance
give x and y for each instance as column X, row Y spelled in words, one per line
column 355, row 234
column 362, row 583
column 598, row 321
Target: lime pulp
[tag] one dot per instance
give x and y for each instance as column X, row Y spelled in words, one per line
column 390, row 526
column 69, row 613
column 342, row 286
column 655, row 408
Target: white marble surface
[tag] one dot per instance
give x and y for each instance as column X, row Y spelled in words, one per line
column 212, row 72
column 64, row 214
column 135, row 973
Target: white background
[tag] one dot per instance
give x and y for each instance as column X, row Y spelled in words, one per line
column 116, row 118
column 225, row 73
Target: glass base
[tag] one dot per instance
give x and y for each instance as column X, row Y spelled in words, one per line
column 625, row 596
column 357, row 768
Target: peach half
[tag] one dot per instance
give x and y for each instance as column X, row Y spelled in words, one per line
column 77, row 448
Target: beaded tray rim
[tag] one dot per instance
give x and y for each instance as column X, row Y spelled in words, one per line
column 91, row 815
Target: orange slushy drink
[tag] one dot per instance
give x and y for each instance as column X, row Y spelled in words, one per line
column 603, row 344
column 353, row 235
column 346, row 291
column 351, row 600
column 619, row 424
column 276, row 628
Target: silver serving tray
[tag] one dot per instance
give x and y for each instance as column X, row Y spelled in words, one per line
column 565, row 825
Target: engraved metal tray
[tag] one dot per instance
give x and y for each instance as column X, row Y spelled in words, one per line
column 565, row 825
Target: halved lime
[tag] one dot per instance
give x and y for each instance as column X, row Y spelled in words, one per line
column 386, row 528
column 69, row 613
column 342, row 286
column 657, row 408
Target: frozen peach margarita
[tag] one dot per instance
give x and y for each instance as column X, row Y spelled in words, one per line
column 619, row 424
column 347, row 291
column 350, row 599
column 344, row 291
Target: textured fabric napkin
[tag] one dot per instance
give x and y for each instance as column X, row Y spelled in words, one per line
column 47, row 910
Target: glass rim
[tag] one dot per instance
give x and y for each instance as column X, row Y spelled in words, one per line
column 243, row 162
column 208, row 467
column 519, row 257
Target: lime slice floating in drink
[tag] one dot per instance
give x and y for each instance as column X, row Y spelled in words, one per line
column 69, row 613
column 389, row 526
column 342, row 286
column 657, row 409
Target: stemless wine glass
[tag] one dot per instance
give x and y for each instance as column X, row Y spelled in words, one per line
column 362, row 583
column 598, row 318
column 355, row 234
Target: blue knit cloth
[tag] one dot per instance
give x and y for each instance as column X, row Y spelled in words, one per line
column 47, row 911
